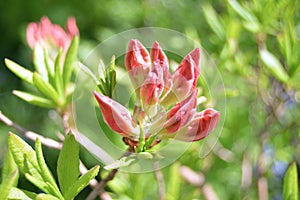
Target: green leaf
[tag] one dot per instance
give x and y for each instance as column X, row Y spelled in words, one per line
column 213, row 21
column 23, row 154
column 19, row 71
column 46, row 174
column 7, row 184
column 45, row 88
column 241, row 11
column 18, row 194
column 81, row 183
column 123, row 162
column 34, row 100
column 112, row 75
column 68, row 164
column 41, row 184
column 290, row 187
column 49, row 66
column 251, row 23
column 45, row 197
column 273, row 65
column 32, row 170
column 9, row 166
column 59, row 85
column 39, row 61
column 69, row 61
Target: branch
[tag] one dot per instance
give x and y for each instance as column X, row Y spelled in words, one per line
column 99, row 188
column 29, row 134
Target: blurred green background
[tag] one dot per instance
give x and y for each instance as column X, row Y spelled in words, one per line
column 256, row 47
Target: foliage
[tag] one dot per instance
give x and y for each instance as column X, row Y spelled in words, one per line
column 255, row 45
column 32, row 164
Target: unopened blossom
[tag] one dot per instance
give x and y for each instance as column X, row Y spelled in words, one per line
column 181, row 113
column 51, row 36
column 173, row 96
column 117, row 116
column 186, row 76
column 137, row 62
column 200, row 126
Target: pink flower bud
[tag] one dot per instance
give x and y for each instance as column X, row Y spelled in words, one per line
column 200, row 126
column 186, row 75
column 51, row 35
column 137, row 62
column 181, row 113
column 72, row 27
column 152, row 87
column 159, row 58
column 117, row 116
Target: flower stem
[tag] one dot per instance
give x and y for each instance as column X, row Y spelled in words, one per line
column 141, row 139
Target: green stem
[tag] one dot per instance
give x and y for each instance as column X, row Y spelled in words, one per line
column 141, row 140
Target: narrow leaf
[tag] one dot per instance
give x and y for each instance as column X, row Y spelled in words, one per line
column 213, row 21
column 49, row 66
column 273, row 65
column 34, row 100
column 46, row 174
column 9, row 166
column 69, row 61
column 18, row 194
column 81, row 183
column 45, row 88
column 38, row 183
column 290, row 187
column 68, row 164
column 58, row 74
column 39, row 61
column 123, row 162
column 32, row 170
column 7, row 184
column 242, row 12
column 45, row 197
column 22, row 153
column 19, row 71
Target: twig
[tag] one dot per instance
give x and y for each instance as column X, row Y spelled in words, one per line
column 29, row 134
column 208, row 192
column 262, row 188
column 99, row 188
column 197, row 179
column 160, row 181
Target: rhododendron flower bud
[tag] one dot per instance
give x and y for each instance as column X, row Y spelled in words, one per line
column 137, row 62
column 200, row 126
column 186, row 75
column 159, row 58
column 117, row 116
column 181, row 113
column 50, row 35
column 152, row 87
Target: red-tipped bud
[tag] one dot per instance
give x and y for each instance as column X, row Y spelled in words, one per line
column 47, row 34
column 186, row 75
column 117, row 116
column 152, row 87
column 200, row 126
column 181, row 113
column 137, row 61
column 159, row 58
